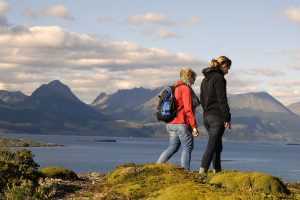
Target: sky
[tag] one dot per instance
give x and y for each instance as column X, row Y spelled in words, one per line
column 103, row 46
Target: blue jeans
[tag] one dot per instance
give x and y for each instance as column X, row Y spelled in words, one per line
column 215, row 128
column 180, row 134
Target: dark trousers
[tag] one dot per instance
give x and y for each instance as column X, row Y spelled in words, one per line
column 215, row 128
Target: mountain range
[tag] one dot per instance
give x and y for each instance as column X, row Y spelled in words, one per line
column 54, row 109
column 255, row 115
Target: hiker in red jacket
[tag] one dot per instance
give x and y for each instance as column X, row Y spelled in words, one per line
column 184, row 126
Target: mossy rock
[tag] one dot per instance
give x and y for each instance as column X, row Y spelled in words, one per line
column 59, row 172
column 140, row 181
column 167, row 181
column 250, row 182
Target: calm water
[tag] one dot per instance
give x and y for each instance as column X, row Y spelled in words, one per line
column 83, row 154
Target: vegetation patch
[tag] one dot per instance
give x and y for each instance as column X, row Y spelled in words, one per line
column 166, row 181
column 11, row 142
column 59, row 172
column 250, row 182
column 20, row 178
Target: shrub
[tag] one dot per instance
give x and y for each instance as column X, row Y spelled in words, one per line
column 19, row 192
column 16, row 167
column 59, row 172
column 27, row 191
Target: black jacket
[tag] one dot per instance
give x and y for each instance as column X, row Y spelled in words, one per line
column 213, row 95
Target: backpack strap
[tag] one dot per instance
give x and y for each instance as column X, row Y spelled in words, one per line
column 175, row 86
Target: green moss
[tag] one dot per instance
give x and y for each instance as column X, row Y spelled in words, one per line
column 139, row 181
column 250, row 182
column 166, row 181
column 59, row 172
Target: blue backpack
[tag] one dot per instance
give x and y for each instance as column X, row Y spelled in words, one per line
column 167, row 105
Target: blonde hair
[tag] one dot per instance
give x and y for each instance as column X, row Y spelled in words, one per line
column 220, row 60
column 186, row 74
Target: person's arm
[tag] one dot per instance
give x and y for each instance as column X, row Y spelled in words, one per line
column 188, row 106
column 220, row 86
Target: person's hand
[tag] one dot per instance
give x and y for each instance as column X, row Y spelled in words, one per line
column 227, row 125
column 195, row 132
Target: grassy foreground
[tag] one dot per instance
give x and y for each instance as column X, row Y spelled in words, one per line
column 170, row 182
column 21, row 179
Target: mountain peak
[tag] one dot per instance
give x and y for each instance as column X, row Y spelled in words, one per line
column 55, row 83
column 256, row 101
column 55, row 89
column 12, row 97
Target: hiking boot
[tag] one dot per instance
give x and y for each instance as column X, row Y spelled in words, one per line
column 202, row 171
column 216, row 171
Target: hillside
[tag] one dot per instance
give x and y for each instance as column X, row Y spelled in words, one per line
column 124, row 104
column 255, row 115
column 12, row 97
column 169, row 182
column 54, row 109
column 295, row 107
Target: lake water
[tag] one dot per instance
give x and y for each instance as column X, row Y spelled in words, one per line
column 86, row 154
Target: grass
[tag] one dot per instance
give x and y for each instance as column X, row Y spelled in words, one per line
column 59, row 172
column 166, row 182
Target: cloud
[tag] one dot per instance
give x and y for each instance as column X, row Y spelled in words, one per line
column 31, row 56
column 263, row 72
column 3, row 7
column 193, row 21
column 54, row 11
column 29, row 13
column 3, row 22
column 295, row 66
column 293, row 14
column 102, row 19
column 286, row 83
column 153, row 18
column 161, row 33
column 287, row 96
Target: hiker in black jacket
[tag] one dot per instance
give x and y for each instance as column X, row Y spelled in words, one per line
column 216, row 112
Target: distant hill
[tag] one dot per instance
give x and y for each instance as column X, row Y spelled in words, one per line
column 124, row 104
column 259, row 115
column 54, row 109
column 12, row 97
column 295, row 107
column 257, row 101
column 255, row 115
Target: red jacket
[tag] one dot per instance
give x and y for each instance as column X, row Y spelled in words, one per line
column 186, row 115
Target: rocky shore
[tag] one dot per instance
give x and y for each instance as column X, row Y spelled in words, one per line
column 11, row 142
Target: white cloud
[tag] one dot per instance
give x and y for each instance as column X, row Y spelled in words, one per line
column 287, row 96
column 263, row 72
column 295, row 66
column 154, row 18
column 54, row 11
column 31, row 56
column 161, row 34
column 3, row 7
column 293, row 14
column 286, row 83
column 193, row 21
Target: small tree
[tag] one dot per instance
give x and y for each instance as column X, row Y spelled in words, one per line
column 17, row 167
